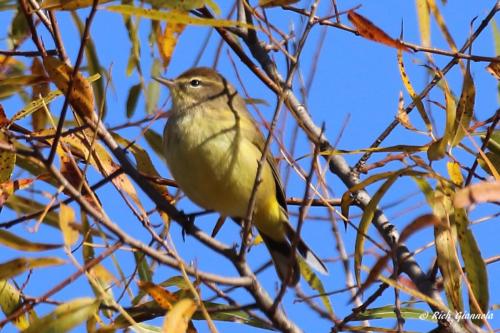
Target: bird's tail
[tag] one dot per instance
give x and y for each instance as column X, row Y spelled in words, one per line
column 285, row 263
column 309, row 256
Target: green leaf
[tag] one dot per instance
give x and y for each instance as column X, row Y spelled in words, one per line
column 153, row 88
column 155, row 141
column 7, row 159
column 389, row 312
column 133, row 97
column 475, row 268
column 465, row 108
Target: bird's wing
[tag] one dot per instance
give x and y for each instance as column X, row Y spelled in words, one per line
column 252, row 132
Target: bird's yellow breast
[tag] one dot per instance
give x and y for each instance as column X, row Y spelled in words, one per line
column 215, row 165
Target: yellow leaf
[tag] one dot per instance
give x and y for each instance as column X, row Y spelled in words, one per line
column 8, row 188
column 10, row 300
column 412, row 93
column 424, row 22
column 69, row 4
column 15, row 242
column 65, row 316
column 160, row 15
column 454, row 172
column 179, row 316
column 315, row 283
column 17, row 266
column 66, row 217
column 168, row 40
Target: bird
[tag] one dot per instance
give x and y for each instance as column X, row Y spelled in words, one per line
column 212, row 146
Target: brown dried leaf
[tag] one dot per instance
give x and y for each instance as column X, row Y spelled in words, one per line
column 494, row 69
column 82, row 95
column 39, row 119
column 417, row 224
column 370, row 31
column 276, row 3
column 477, row 193
column 402, row 116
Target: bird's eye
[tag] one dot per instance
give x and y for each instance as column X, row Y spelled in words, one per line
column 195, row 83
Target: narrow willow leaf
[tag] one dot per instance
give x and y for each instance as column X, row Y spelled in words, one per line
column 159, row 15
column 162, row 297
column 446, row 251
column 454, row 172
column 7, row 159
column 15, row 242
column 153, row 88
column 8, row 188
column 390, row 312
column 93, row 64
column 10, row 300
column 40, row 102
column 276, row 3
column 66, row 217
column 475, row 268
column 143, row 268
column 370, row 31
column 39, row 119
column 424, row 22
column 133, row 97
column 477, row 193
column 65, row 316
column 11, row 85
column 155, row 141
column 412, row 93
column 167, row 41
column 315, row 283
column 465, row 108
column 17, row 266
column 81, row 97
column 69, row 4
column 367, row 218
column 178, row 318
column 494, row 161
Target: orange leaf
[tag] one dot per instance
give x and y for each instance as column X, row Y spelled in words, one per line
column 168, row 40
column 370, row 31
column 163, row 297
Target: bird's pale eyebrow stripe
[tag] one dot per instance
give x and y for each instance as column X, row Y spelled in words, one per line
column 203, row 79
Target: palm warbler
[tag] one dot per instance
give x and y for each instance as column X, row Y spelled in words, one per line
column 212, row 146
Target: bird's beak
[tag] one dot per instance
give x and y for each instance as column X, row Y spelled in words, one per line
column 169, row 83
